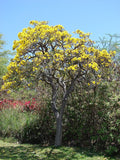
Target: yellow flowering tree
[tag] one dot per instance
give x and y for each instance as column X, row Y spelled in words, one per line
column 51, row 54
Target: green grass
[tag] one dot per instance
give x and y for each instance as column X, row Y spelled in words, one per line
column 14, row 151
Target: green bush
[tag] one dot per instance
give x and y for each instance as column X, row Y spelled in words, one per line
column 12, row 121
column 29, row 127
column 42, row 131
column 92, row 118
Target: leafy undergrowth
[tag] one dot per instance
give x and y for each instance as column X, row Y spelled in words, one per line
column 14, row 151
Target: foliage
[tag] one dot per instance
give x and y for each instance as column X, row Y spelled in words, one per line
column 26, row 123
column 15, row 115
column 93, row 118
column 12, row 121
column 4, row 59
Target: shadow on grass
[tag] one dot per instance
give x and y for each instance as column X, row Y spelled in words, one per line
column 30, row 152
column 17, row 153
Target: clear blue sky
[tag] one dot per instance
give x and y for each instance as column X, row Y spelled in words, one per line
column 95, row 16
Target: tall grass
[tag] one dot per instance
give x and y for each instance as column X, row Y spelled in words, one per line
column 36, row 126
column 12, row 121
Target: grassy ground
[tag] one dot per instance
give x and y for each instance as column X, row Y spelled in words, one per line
column 15, row 151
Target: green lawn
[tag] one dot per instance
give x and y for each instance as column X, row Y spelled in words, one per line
column 14, row 151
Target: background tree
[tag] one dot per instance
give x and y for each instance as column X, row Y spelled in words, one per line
column 5, row 56
column 110, row 42
column 50, row 54
column 3, row 59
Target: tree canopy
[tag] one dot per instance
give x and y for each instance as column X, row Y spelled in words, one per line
column 45, row 51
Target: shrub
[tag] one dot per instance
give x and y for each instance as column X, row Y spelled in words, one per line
column 27, row 125
column 92, row 118
column 42, row 130
column 12, row 121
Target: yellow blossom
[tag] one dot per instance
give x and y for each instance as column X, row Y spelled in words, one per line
column 9, row 91
column 93, row 82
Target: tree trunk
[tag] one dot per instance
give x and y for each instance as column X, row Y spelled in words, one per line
column 59, row 114
column 58, row 137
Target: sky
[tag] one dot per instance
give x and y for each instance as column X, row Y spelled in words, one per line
column 98, row 17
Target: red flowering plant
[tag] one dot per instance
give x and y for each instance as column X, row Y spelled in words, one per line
column 24, row 106
column 30, row 105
